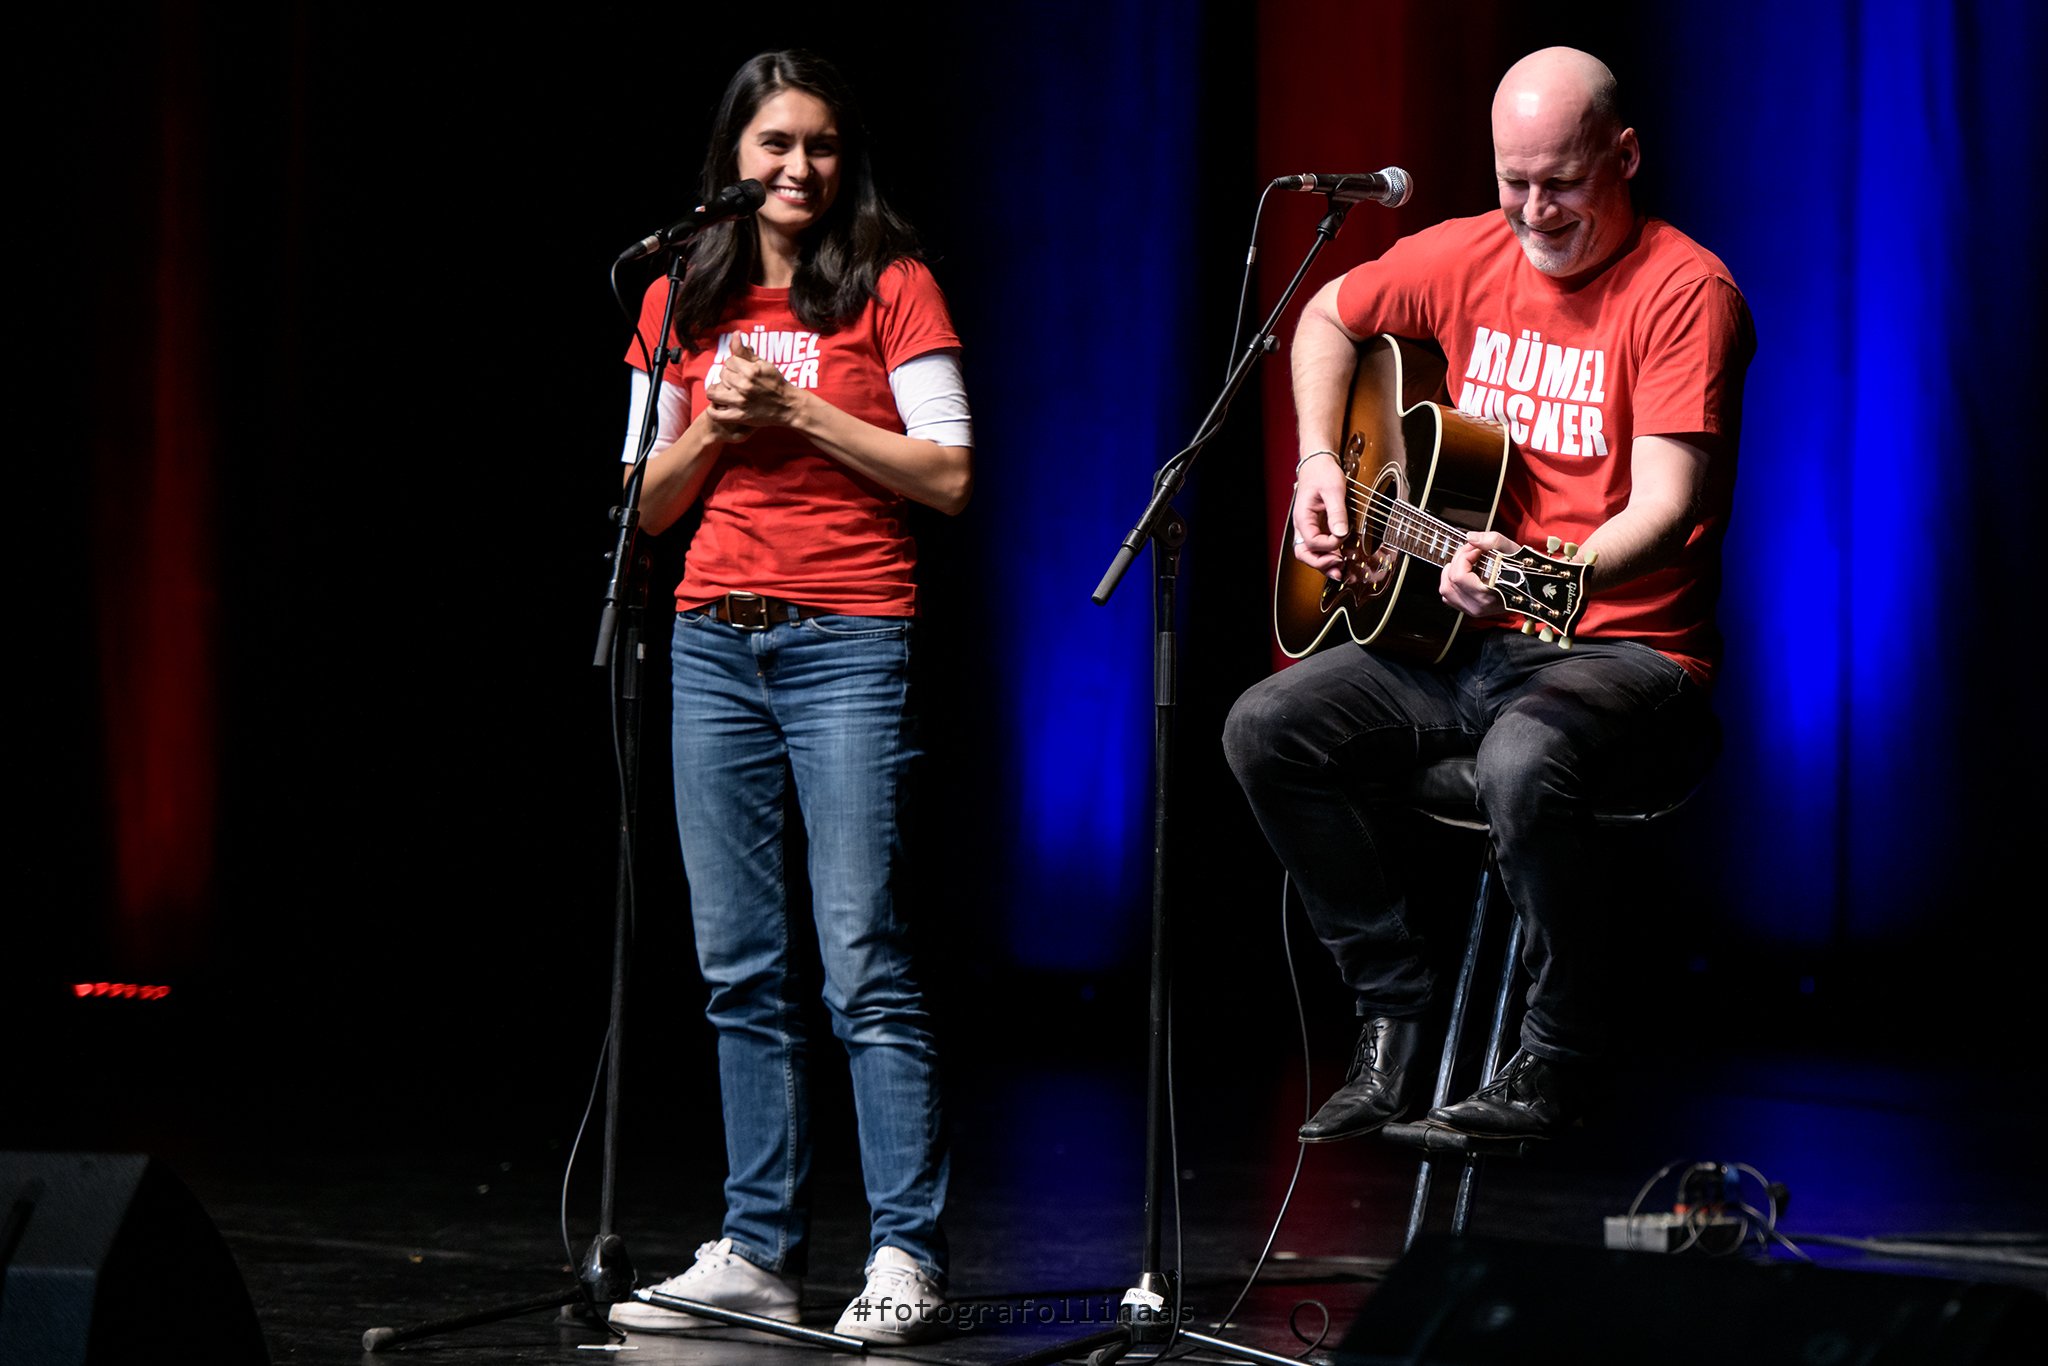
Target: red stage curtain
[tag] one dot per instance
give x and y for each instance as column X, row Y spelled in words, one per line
column 1352, row 87
column 155, row 537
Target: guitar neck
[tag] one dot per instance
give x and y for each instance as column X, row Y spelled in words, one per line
column 1549, row 593
column 1412, row 531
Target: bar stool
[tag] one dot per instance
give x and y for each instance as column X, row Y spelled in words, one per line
column 1447, row 792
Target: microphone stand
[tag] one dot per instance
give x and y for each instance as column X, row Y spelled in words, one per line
column 605, row 1275
column 1150, row 1311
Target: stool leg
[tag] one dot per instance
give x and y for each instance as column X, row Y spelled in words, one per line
column 1461, row 1212
column 1453, row 1035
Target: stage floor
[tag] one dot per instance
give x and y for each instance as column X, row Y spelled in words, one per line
column 344, row 1216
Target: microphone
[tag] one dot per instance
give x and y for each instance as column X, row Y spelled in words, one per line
column 1389, row 187
column 734, row 201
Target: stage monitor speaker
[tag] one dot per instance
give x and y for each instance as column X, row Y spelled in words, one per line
column 110, row 1259
column 1492, row 1302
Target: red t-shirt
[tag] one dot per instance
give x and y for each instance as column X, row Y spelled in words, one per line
column 1654, row 345
column 780, row 516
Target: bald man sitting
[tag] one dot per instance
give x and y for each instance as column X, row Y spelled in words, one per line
column 1612, row 348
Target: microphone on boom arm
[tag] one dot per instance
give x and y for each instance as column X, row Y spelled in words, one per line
column 734, row 201
column 1389, row 187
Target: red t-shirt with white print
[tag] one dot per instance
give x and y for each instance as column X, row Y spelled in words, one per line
column 780, row 516
column 1656, row 344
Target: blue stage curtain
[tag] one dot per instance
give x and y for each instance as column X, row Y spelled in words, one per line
column 1080, row 363
column 1870, row 174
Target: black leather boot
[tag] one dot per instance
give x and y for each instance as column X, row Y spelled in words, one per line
column 1531, row 1098
column 1375, row 1090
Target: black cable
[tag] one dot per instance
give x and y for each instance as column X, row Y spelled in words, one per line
column 1165, row 1353
column 1209, row 429
column 626, row 833
column 1774, row 1201
column 1300, row 1156
column 1201, row 437
column 1180, row 1267
column 1936, row 1247
column 1244, row 288
column 1762, row 1225
column 1173, row 1137
column 569, row 1166
column 1321, row 1334
column 632, row 316
column 630, row 894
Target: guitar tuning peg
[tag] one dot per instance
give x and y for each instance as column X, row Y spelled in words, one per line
column 1564, row 642
column 1592, row 555
column 1546, row 635
column 1571, row 550
column 1552, row 544
column 1528, row 626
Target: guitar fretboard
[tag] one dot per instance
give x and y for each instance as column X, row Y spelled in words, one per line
column 1412, row 531
column 1532, row 584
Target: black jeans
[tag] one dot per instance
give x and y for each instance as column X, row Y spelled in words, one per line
column 1322, row 747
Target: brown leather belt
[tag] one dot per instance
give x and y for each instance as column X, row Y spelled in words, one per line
column 757, row 611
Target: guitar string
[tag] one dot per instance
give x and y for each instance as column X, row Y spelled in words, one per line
column 1361, row 492
column 1365, row 501
column 1369, row 497
column 1371, row 494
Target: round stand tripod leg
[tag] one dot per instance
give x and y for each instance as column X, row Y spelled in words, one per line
column 1115, row 1341
column 377, row 1339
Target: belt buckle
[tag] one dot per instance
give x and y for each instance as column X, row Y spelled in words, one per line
column 747, row 611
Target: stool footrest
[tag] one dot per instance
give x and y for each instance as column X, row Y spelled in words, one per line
column 1435, row 1138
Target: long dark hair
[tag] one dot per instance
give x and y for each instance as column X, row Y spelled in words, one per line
column 840, row 259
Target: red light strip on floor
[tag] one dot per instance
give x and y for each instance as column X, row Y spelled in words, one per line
column 125, row 990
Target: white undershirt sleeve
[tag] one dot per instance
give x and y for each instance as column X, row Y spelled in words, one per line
column 669, row 420
column 931, row 396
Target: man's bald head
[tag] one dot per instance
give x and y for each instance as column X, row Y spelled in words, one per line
column 1560, row 84
column 1563, row 160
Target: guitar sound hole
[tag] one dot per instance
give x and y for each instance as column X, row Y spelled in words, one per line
column 1377, row 559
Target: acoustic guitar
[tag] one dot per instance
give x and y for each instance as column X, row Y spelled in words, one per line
column 1420, row 475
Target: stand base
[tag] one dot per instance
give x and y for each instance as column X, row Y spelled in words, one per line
column 605, row 1277
column 739, row 1319
column 1111, row 1344
column 606, row 1273
column 377, row 1339
column 1243, row 1352
column 1144, row 1319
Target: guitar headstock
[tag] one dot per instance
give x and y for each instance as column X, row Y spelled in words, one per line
column 1549, row 592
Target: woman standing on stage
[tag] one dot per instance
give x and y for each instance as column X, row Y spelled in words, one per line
column 819, row 392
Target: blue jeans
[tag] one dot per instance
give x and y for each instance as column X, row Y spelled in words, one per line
column 823, row 703
column 1325, row 748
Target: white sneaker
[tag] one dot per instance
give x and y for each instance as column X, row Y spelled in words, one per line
column 721, row 1277
column 900, row 1304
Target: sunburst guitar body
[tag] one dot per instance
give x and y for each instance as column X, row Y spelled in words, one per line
column 1421, row 476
